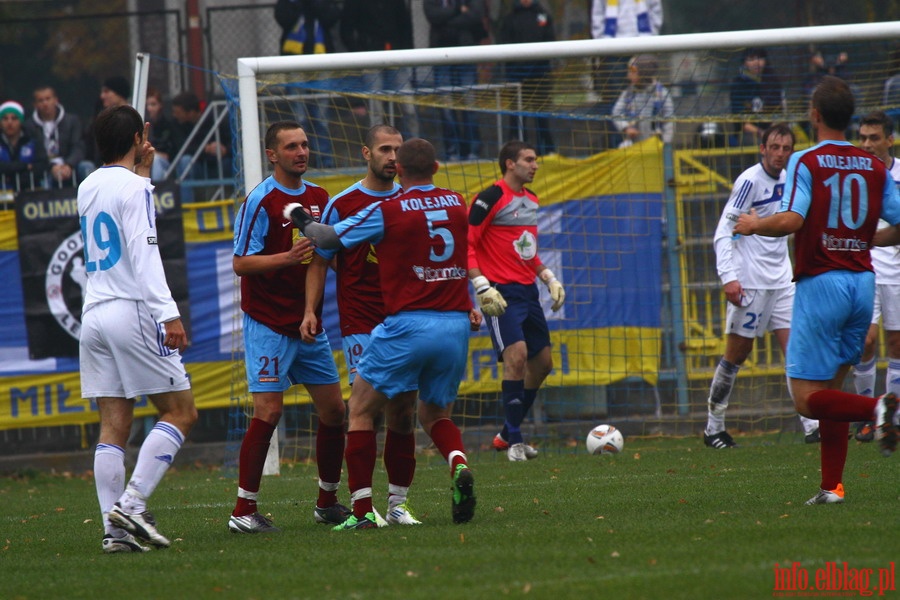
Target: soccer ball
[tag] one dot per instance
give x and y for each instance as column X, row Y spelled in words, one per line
column 604, row 439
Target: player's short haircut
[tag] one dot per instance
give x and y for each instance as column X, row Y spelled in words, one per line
column 377, row 130
column 114, row 131
column 187, row 101
column 276, row 128
column 879, row 118
column 834, row 101
column 417, row 157
column 782, row 129
column 511, row 151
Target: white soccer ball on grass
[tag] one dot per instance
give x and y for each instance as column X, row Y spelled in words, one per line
column 605, row 439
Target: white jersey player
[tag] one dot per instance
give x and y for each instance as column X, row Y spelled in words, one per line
column 131, row 330
column 756, row 276
column 876, row 135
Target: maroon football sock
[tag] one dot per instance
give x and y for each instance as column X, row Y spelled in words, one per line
column 329, row 458
column 360, row 455
column 251, row 461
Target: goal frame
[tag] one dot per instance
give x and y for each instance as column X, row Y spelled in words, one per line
column 250, row 68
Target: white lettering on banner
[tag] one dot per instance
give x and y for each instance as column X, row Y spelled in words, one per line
column 67, row 260
column 50, row 209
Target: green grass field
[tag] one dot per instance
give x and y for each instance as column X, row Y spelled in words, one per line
column 668, row 518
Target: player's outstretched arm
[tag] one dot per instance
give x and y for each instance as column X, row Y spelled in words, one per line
column 777, row 225
column 321, row 235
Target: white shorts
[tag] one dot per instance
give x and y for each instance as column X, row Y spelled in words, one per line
column 122, row 353
column 887, row 306
column 764, row 310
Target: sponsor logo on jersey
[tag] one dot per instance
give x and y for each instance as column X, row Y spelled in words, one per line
column 526, row 245
column 429, row 274
column 151, row 240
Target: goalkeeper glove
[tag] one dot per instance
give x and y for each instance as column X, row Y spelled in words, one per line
column 490, row 301
column 296, row 213
column 557, row 293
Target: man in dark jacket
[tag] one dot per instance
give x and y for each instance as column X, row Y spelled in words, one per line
column 457, row 23
column 306, row 29
column 61, row 133
column 382, row 25
column 530, row 22
column 23, row 160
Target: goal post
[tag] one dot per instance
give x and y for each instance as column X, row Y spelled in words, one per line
column 626, row 223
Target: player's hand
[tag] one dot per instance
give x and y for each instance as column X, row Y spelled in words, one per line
column 308, row 327
column 145, row 154
column 747, row 223
column 490, row 300
column 301, row 251
column 557, row 293
column 475, row 320
column 176, row 337
column 734, row 292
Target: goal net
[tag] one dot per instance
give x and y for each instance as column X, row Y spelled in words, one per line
column 632, row 186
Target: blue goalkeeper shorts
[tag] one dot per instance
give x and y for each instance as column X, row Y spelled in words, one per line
column 523, row 320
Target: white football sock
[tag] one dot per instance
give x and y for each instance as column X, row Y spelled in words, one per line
column 892, row 383
column 864, row 377
column 109, row 478
column 809, row 425
column 719, row 394
column 157, row 453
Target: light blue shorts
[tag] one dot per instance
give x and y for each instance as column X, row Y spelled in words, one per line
column 832, row 313
column 275, row 362
column 354, row 346
column 418, row 350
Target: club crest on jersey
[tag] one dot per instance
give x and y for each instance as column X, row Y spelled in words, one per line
column 526, row 245
column 66, row 273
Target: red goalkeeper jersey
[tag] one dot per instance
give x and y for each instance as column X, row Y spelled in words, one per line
column 503, row 234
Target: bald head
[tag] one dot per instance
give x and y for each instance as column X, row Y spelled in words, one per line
column 417, row 159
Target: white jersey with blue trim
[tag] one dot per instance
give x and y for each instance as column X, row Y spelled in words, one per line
column 756, row 261
column 121, row 255
column 886, row 259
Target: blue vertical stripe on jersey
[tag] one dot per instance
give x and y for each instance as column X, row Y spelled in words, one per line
column 742, row 194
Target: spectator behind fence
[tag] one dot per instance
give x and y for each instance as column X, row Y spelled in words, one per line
column 645, row 106
column 163, row 134
column 214, row 157
column 457, row 23
column 383, row 25
column 115, row 91
column 756, row 92
column 23, row 159
column 306, row 29
column 530, row 22
column 619, row 19
column 61, row 133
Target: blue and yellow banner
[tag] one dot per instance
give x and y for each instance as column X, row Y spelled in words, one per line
column 600, row 231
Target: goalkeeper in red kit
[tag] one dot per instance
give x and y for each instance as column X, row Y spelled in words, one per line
column 503, row 264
